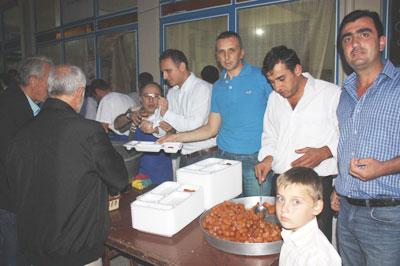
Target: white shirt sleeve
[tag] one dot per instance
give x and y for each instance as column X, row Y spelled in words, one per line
column 269, row 135
column 334, row 134
column 194, row 108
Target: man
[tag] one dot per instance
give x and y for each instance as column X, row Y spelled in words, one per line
column 18, row 106
column 61, row 168
column 111, row 104
column 143, row 79
column 238, row 104
column 368, row 183
column 300, row 125
column 187, row 105
column 156, row 166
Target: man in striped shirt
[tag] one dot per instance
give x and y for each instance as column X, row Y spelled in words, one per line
column 368, row 183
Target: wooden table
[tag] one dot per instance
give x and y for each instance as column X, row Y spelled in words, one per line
column 187, row 247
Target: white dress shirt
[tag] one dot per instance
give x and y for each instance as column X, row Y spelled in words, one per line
column 111, row 106
column 188, row 109
column 313, row 123
column 307, row 246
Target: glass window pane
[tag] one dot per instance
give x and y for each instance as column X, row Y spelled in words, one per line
column 12, row 23
column 197, row 40
column 110, row 6
column 73, row 10
column 307, row 26
column 117, row 52
column 12, row 59
column 81, row 53
column 53, row 52
column 47, row 14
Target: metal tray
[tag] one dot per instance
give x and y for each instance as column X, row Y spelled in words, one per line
column 249, row 249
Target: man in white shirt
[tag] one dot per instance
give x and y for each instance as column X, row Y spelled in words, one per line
column 300, row 125
column 187, row 105
column 111, row 104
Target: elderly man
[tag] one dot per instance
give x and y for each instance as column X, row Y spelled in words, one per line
column 61, row 168
column 18, row 106
column 368, row 183
column 238, row 104
column 300, row 125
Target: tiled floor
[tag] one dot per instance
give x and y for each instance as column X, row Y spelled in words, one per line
column 119, row 261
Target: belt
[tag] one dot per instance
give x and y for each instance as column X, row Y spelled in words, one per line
column 373, row 202
column 202, row 152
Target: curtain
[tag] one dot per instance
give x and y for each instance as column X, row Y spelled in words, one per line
column 307, row 26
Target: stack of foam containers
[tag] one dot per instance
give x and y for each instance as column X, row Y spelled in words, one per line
column 220, row 179
column 167, row 209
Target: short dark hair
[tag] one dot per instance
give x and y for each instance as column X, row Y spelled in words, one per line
column 176, row 56
column 302, row 176
column 154, row 84
column 353, row 16
column 100, row 84
column 230, row 34
column 280, row 54
column 210, row 74
column 144, row 78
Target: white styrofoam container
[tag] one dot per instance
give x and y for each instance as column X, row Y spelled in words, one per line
column 220, row 179
column 167, row 209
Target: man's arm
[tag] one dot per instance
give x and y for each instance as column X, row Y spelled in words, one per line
column 369, row 168
column 205, row 132
column 312, row 157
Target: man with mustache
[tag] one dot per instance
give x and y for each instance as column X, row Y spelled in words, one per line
column 368, row 183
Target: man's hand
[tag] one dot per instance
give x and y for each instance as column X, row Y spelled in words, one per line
column 147, row 127
column 262, row 169
column 137, row 116
column 367, row 168
column 169, row 138
column 163, row 104
column 335, row 201
column 166, row 127
column 312, row 157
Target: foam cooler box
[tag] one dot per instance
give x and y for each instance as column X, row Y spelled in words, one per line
column 168, row 208
column 220, row 179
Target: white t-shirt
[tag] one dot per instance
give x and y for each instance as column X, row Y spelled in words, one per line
column 307, row 246
column 111, row 106
column 312, row 123
column 188, row 109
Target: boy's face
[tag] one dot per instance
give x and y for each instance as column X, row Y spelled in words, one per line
column 295, row 207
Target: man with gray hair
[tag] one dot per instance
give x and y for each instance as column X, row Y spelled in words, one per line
column 18, row 106
column 61, row 168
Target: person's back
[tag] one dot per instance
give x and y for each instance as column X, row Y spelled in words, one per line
column 298, row 202
column 61, row 168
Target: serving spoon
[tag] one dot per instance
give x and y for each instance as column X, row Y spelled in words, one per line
column 260, row 209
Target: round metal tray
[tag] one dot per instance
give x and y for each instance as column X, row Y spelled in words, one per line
column 249, row 249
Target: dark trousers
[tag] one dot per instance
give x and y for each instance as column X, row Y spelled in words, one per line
column 325, row 217
column 8, row 238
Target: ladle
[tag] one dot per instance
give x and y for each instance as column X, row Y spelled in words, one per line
column 260, row 209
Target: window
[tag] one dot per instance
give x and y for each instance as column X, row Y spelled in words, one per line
column 12, row 22
column 307, row 26
column 73, row 10
column 109, row 6
column 197, row 40
column 51, row 51
column 47, row 14
column 81, row 53
column 117, row 53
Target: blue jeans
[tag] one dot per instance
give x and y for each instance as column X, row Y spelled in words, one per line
column 250, row 185
column 8, row 238
column 369, row 236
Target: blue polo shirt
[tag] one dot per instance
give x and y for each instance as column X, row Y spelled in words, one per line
column 241, row 103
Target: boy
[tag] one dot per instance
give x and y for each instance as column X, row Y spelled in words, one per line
column 298, row 202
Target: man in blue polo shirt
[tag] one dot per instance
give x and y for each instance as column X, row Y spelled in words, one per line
column 238, row 104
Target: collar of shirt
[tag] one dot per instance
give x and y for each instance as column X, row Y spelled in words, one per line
column 302, row 236
column 350, row 83
column 35, row 108
column 244, row 71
